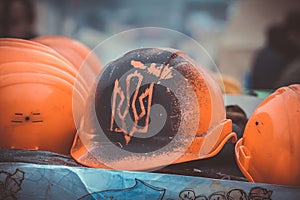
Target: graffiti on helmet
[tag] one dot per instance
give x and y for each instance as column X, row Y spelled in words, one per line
column 128, row 100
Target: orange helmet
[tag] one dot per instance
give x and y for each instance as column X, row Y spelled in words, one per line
column 15, row 50
column 150, row 108
column 36, row 112
column 231, row 85
column 36, row 97
column 16, row 42
column 34, row 47
column 39, row 68
column 14, row 54
column 269, row 151
column 73, row 50
column 77, row 53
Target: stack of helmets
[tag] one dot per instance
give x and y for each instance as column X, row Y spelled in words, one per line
column 37, row 92
column 76, row 52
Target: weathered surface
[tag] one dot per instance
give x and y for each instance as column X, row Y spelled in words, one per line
column 216, row 167
column 35, row 157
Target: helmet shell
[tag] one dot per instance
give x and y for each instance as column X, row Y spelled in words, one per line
column 36, row 112
column 122, row 107
column 269, row 151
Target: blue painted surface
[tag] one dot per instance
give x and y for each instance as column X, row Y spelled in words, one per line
column 30, row 181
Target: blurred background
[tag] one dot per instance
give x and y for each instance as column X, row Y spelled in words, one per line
column 232, row 31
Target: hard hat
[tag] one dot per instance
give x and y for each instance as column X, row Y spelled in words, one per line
column 41, row 59
column 39, row 68
column 36, row 112
column 76, row 52
column 24, row 43
column 35, row 46
column 269, row 151
column 231, row 85
column 73, row 50
column 14, row 54
column 22, row 54
column 150, row 108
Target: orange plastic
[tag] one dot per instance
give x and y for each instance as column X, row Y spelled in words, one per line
column 269, row 151
column 214, row 130
column 77, row 53
column 73, row 50
column 36, row 112
column 28, row 44
column 22, row 54
column 228, row 84
column 14, row 54
column 39, row 68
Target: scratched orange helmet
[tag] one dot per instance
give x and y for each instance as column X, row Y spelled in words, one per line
column 36, row 112
column 150, row 108
column 269, row 151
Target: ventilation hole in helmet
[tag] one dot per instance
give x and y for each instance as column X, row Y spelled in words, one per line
column 17, row 118
column 16, row 121
column 27, row 118
column 35, row 121
column 256, row 123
